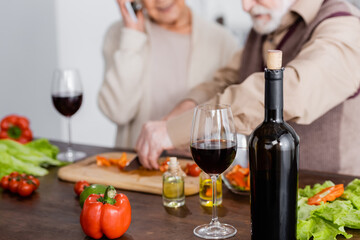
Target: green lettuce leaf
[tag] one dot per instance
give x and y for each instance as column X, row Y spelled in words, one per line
column 328, row 220
column 28, row 154
column 309, row 191
column 352, row 193
column 335, row 212
column 325, row 230
column 10, row 164
column 304, row 209
column 43, row 145
column 319, row 229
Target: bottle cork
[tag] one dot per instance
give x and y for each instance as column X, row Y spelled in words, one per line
column 274, row 59
column 173, row 163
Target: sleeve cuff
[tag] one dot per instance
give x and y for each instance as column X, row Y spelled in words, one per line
column 197, row 96
column 179, row 128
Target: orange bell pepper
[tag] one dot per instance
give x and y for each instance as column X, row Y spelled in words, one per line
column 328, row 194
column 108, row 214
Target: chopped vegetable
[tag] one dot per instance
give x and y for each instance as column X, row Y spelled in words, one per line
column 164, row 166
column 239, row 177
column 80, row 186
column 108, row 214
column 107, row 162
column 328, row 194
column 16, row 128
column 192, row 170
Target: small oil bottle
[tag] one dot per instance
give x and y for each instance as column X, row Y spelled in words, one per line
column 173, row 185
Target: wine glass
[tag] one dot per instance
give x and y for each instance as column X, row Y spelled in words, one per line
column 67, row 93
column 213, row 146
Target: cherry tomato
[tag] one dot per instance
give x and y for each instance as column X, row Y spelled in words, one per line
column 14, row 184
column 5, row 182
column 192, row 170
column 14, row 174
column 25, row 188
column 80, row 186
column 23, row 175
column 34, row 180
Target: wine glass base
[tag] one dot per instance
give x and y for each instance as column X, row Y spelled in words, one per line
column 215, row 231
column 71, row 156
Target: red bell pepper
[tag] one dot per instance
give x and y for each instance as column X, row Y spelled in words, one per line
column 108, row 214
column 15, row 127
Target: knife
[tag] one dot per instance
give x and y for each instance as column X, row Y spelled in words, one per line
column 133, row 164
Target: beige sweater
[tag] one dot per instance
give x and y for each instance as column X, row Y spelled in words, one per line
column 125, row 95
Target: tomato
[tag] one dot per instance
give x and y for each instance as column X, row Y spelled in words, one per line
column 5, row 182
column 23, row 175
column 25, row 188
column 80, row 186
column 192, row 170
column 14, row 184
column 34, row 180
column 14, row 174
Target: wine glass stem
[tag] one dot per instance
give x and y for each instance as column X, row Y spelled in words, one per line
column 69, row 142
column 214, row 219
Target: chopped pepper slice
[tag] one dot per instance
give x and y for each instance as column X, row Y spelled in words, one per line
column 328, row 194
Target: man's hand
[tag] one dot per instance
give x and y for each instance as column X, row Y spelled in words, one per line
column 153, row 140
column 128, row 21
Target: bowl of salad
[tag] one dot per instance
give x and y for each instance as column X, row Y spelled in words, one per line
column 237, row 176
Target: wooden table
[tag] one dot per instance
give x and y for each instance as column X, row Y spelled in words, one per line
column 53, row 211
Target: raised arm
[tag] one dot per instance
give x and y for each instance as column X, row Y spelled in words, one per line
column 122, row 89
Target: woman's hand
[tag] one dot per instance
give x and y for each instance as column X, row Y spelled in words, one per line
column 138, row 25
column 153, row 140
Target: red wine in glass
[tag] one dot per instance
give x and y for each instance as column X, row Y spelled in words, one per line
column 213, row 156
column 213, row 146
column 67, row 95
column 67, row 103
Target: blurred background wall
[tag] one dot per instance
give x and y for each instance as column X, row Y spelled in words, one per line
column 38, row 36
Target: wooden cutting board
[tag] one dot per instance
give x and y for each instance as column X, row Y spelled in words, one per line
column 140, row 180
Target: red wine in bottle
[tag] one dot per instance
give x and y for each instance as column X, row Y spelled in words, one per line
column 274, row 163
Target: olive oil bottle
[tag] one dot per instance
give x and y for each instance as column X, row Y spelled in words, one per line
column 173, row 185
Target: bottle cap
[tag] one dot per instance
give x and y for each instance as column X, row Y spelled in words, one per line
column 173, row 163
column 274, row 59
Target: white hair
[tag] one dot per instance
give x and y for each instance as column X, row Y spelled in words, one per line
column 264, row 27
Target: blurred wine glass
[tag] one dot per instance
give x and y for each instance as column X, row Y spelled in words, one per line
column 67, row 93
column 213, row 146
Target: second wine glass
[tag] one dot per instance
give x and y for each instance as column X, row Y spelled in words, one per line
column 213, row 147
column 67, row 94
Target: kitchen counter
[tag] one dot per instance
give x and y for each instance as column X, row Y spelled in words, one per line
column 53, row 211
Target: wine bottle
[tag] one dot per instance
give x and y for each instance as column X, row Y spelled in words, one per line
column 274, row 163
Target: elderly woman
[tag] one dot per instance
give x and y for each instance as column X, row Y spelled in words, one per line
column 151, row 62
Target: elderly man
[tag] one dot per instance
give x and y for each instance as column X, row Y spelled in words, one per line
column 320, row 40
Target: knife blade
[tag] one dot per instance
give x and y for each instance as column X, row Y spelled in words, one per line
column 133, row 164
